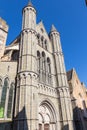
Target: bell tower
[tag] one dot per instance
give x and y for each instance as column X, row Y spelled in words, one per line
column 25, row 116
column 3, row 36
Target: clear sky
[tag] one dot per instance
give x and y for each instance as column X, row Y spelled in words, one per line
column 68, row 16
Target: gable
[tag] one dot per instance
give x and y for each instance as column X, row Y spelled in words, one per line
column 41, row 31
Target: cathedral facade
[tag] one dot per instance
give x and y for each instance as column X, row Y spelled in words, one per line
column 34, row 91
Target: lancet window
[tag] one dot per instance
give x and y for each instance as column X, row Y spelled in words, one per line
column 44, row 68
column 38, row 37
column 3, row 97
column 6, row 99
column 42, row 41
column 43, row 61
column 46, row 44
column 38, row 63
column 10, row 101
column 49, row 70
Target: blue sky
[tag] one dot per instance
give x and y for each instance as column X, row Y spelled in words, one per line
column 68, row 16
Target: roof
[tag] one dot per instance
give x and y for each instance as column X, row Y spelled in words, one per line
column 30, row 3
column 53, row 28
column 69, row 74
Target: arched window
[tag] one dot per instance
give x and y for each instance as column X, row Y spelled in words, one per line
column 42, row 41
column 43, row 61
column 0, row 83
column 48, row 63
column 3, row 97
column 38, row 63
column 43, row 67
column 49, row 70
column 38, row 37
column 46, row 44
column 10, row 101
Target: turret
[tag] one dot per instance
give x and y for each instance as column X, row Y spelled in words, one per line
column 28, row 44
column 55, row 36
column 59, row 59
column 27, row 72
column 62, row 86
column 3, row 36
column 29, row 17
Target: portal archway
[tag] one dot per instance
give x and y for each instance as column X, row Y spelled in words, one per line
column 47, row 116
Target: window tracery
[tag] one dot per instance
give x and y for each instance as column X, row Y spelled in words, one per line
column 3, row 97
column 42, row 41
column 38, row 37
column 47, row 117
column 38, row 63
column 49, row 70
column 10, row 101
column 46, row 44
column 44, row 68
column 7, row 95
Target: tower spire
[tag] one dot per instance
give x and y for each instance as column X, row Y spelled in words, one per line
column 30, row 2
column 53, row 28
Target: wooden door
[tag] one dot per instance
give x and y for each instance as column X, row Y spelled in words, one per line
column 40, row 126
column 46, row 127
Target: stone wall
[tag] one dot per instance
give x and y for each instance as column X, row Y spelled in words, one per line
column 3, row 36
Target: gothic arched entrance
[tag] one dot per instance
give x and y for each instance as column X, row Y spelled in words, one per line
column 47, row 116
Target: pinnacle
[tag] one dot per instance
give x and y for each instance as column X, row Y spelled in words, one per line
column 30, row 3
column 53, row 28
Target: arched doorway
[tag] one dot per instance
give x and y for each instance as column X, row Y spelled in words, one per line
column 47, row 116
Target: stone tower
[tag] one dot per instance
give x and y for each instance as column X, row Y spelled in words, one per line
column 63, row 88
column 25, row 109
column 42, row 94
column 3, row 36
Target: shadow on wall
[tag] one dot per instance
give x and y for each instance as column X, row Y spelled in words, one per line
column 8, row 125
column 80, row 121
column 80, row 117
column 66, row 127
column 5, row 125
column 22, row 123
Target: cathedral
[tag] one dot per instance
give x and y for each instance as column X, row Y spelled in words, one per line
column 34, row 90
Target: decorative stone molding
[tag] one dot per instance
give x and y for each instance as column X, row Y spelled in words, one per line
column 58, row 53
column 26, row 74
column 27, row 30
column 28, row 8
column 54, row 33
column 63, row 92
column 48, row 90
